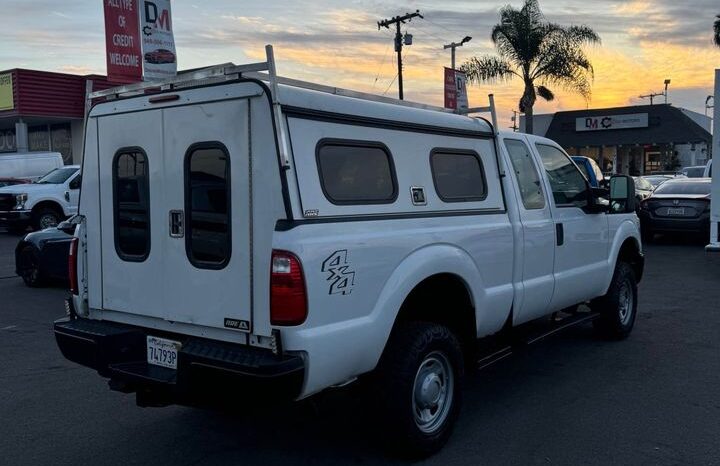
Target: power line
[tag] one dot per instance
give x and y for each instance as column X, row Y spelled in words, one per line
column 387, row 48
column 390, row 85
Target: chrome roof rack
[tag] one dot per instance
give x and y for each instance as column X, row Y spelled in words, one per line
column 266, row 71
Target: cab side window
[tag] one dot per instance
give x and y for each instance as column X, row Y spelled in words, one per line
column 75, row 184
column 526, row 174
column 569, row 186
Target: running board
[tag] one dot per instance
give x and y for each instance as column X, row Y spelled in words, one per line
column 503, row 345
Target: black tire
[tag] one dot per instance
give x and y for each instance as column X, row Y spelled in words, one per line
column 29, row 268
column 618, row 308
column 45, row 217
column 417, row 349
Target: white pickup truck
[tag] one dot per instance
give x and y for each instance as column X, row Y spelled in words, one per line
column 248, row 236
column 42, row 204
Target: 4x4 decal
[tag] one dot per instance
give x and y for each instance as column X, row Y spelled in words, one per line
column 340, row 276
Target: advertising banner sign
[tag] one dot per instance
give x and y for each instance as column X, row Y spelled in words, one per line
column 600, row 123
column 455, row 89
column 7, row 101
column 158, row 44
column 122, row 41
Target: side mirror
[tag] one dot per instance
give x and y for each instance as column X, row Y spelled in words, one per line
column 622, row 194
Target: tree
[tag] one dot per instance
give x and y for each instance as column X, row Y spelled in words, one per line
column 538, row 52
column 717, row 31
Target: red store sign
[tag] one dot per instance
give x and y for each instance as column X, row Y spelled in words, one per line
column 122, row 41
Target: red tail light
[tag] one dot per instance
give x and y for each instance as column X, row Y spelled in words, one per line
column 72, row 266
column 288, row 299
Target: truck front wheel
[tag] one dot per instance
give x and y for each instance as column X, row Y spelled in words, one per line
column 420, row 378
column 618, row 307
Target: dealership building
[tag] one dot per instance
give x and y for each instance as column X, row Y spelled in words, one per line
column 633, row 140
column 42, row 111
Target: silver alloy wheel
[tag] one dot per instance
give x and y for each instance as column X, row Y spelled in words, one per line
column 48, row 221
column 433, row 392
column 626, row 300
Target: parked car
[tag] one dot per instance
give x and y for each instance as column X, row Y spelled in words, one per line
column 677, row 206
column 42, row 204
column 160, row 56
column 301, row 238
column 643, row 188
column 591, row 170
column 42, row 256
column 29, row 165
column 12, row 182
column 694, row 172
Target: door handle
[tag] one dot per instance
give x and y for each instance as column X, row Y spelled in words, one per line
column 559, row 234
column 177, row 224
column 67, row 196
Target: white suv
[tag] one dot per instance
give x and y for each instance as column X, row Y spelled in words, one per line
column 238, row 241
column 42, row 204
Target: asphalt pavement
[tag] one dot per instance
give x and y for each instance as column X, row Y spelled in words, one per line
column 652, row 399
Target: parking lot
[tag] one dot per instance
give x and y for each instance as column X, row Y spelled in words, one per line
column 573, row 399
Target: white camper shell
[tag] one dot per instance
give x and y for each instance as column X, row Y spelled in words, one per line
column 242, row 231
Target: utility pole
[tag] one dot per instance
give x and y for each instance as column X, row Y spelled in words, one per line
column 652, row 95
column 452, row 47
column 397, row 21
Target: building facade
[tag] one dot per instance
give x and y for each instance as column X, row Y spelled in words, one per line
column 633, row 140
column 42, row 111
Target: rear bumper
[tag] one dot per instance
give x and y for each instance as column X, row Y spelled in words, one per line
column 699, row 224
column 209, row 372
column 11, row 218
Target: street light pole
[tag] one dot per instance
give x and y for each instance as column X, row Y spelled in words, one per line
column 667, row 82
column 452, row 46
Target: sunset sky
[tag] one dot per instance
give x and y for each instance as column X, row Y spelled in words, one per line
column 337, row 42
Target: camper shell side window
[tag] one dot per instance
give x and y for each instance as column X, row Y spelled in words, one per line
column 356, row 172
column 131, row 204
column 458, row 175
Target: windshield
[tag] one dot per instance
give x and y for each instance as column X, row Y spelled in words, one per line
column 57, row 176
column 642, row 183
column 683, row 187
column 657, row 180
column 695, row 172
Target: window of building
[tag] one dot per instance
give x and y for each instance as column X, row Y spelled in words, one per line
column 569, row 186
column 131, row 197
column 526, row 173
column 207, row 205
column 356, row 172
column 458, row 175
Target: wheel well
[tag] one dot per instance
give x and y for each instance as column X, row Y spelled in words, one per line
column 443, row 299
column 630, row 253
column 49, row 205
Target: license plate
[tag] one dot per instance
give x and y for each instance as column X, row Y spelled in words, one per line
column 162, row 352
column 676, row 211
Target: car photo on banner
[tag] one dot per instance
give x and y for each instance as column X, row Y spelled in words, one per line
column 160, row 56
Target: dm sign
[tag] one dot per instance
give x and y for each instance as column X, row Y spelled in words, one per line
column 6, row 92
column 600, row 123
column 455, row 89
column 158, row 44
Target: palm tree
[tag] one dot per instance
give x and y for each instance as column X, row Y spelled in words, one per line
column 717, row 31
column 538, row 52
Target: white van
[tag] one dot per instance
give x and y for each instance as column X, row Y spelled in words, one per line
column 29, row 165
column 238, row 240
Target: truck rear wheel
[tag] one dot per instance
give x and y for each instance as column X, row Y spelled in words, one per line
column 618, row 307
column 420, row 377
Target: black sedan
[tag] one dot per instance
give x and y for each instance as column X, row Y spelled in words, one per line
column 41, row 257
column 677, row 206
